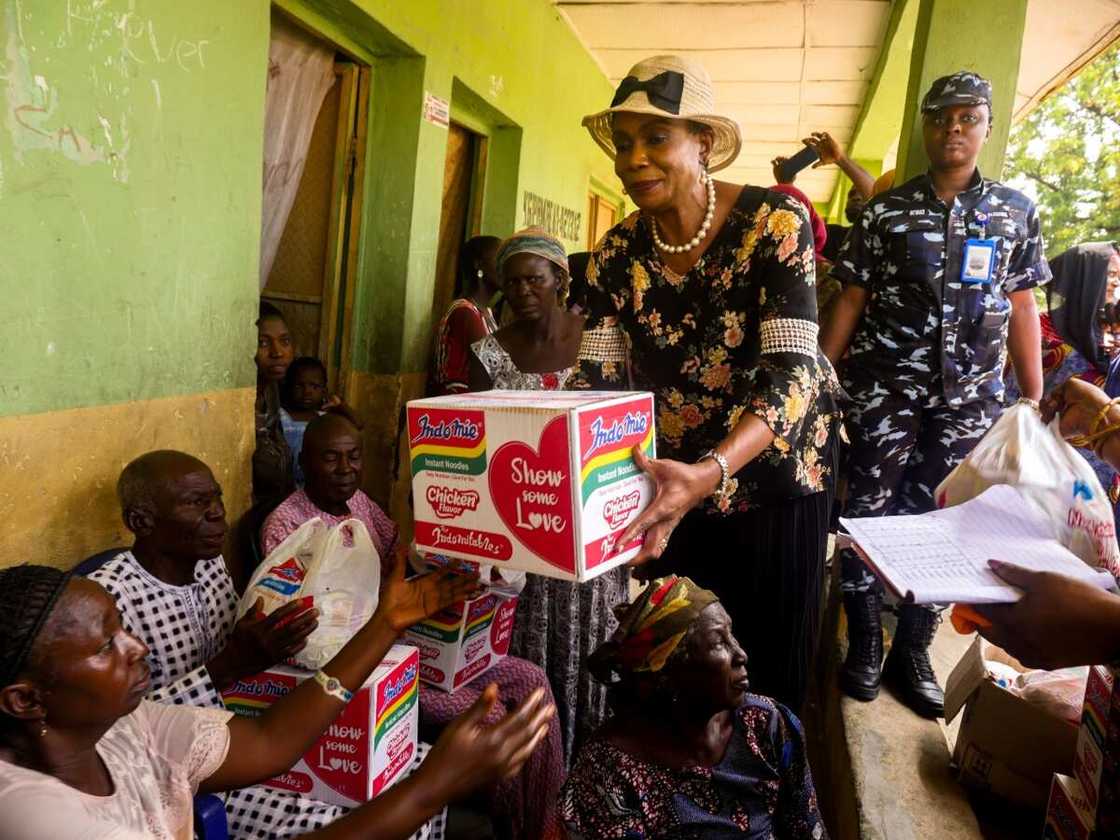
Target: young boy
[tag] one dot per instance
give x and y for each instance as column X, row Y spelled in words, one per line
column 937, row 277
column 303, row 396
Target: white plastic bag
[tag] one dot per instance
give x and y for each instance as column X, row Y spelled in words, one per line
column 338, row 567
column 1022, row 451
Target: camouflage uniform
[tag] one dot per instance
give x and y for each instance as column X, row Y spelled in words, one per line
column 924, row 369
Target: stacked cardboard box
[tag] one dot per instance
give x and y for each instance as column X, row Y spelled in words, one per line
column 465, row 640
column 1006, row 746
column 367, row 748
column 1088, row 804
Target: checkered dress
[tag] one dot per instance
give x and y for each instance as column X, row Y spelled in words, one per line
column 184, row 627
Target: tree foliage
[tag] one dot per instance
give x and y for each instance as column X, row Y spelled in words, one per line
column 1068, row 151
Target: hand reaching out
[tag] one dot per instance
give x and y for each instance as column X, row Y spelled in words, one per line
column 826, row 147
column 259, row 641
column 470, row 754
column 402, row 602
column 680, row 488
column 1077, row 402
column 1059, row 622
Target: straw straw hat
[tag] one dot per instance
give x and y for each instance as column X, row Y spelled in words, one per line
column 674, row 87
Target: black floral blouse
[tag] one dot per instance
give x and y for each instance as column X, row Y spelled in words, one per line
column 737, row 332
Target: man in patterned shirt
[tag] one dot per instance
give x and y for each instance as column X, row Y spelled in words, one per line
column 938, row 276
column 174, row 593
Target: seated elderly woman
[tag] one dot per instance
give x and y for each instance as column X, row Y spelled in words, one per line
column 689, row 752
column 82, row 754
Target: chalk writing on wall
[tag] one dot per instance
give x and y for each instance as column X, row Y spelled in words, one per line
column 88, row 119
column 558, row 220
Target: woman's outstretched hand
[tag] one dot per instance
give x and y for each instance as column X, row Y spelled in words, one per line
column 403, row 603
column 680, row 488
column 1059, row 622
column 1077, row 403
column 470, row 753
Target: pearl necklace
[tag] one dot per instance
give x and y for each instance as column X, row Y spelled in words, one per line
column 704, row 228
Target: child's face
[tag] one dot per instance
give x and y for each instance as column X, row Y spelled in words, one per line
column 309, row 389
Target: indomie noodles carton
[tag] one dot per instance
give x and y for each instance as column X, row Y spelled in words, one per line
column 366, row 749
column 465, row 640
column 540, row 481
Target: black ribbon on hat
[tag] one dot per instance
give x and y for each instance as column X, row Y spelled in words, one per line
column 664, row 90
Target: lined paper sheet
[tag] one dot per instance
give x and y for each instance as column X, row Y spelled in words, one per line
column 942, row 557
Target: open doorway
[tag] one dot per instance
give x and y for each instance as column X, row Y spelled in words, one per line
column 313, row 262
column 461, row 209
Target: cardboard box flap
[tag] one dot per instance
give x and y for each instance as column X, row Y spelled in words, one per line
column 968, row 675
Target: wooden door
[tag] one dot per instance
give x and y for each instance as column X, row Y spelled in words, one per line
column 307, row 282
column 455, row 223
column 601, row 217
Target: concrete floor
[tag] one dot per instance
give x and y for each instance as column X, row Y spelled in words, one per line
column 891, row 778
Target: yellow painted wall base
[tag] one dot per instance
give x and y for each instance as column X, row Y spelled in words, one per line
column 58, row 470
column 378, row 400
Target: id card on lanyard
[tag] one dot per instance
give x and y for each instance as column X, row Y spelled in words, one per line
column 979, row 261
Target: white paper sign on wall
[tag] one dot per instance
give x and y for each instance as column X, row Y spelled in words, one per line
column 437, row 111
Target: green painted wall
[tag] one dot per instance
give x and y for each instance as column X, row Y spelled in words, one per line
column 964, row 35
column 130, row 172
column 130, row 160
column 513, row 63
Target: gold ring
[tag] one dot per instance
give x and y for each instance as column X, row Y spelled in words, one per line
column 661, row 546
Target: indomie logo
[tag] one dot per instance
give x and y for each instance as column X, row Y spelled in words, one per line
column 446, row 429
column 616, row 510
column 399, row 686
column 634, row 423
column 449, row 502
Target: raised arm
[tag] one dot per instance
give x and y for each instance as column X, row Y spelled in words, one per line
column 831, row 152
column 270, row 744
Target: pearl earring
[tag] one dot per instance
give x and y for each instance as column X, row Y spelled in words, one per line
column 43, row 728
column 480, row 275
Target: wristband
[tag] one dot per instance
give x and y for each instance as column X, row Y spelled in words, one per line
column 333, row 687
column 720, row 494
column 1028, row 401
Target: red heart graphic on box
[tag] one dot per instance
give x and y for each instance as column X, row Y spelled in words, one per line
column 532, row 492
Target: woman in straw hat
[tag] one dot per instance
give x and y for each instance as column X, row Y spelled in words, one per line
column 713, row 285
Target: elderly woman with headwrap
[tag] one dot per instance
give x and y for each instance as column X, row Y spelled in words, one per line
column 714, row 286
column 689, row 752
column 1082, row 302
column 558, row 623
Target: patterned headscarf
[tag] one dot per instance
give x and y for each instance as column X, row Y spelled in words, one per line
column 533, row 240
column 651, row 628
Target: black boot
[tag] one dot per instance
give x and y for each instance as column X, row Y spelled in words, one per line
column 908, row 669
column 860, row 674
